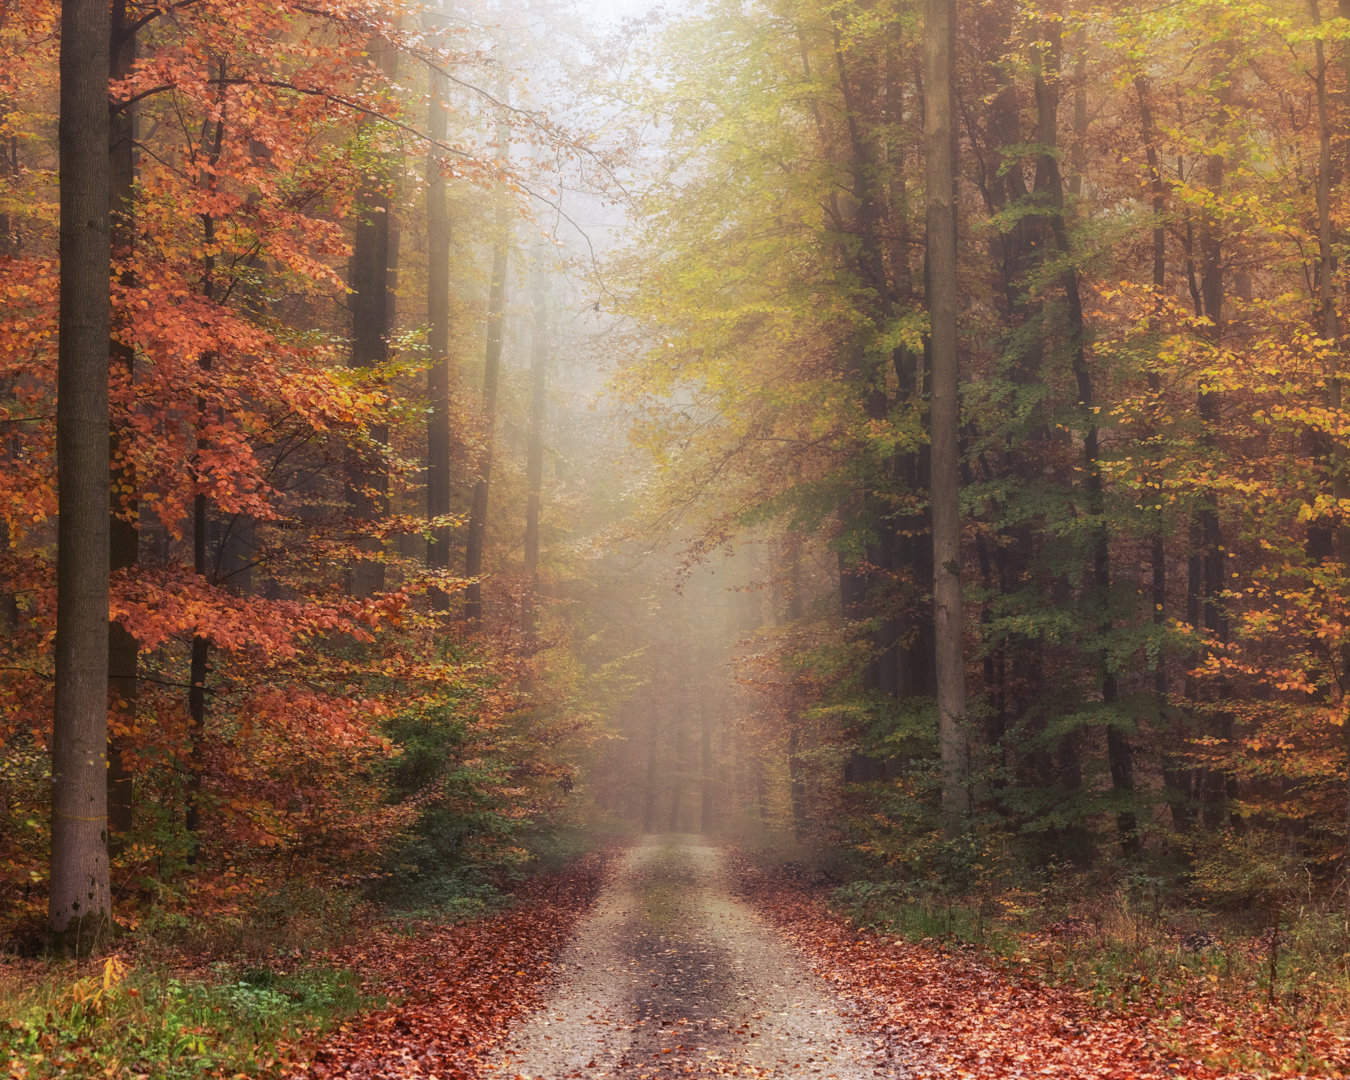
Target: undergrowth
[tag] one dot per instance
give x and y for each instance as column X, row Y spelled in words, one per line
column 1129, row 937
column 100, row 1019
column 236, row 990
column 1233, row 967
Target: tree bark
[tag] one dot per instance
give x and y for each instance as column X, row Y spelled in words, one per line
column 201, row 644
column 796, row 777
column 534, row 455
column 80, row 895
column 438, row 340
column 1331, row 330
column 367, row 481
column 1218, row 787
column 477, row 535
column 938, row 37
column 649, row 805
column 705, row 717
column 1120, row 755
column 373, row 266
column 1177, row 778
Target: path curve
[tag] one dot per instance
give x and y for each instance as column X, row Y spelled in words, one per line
column 672, row 975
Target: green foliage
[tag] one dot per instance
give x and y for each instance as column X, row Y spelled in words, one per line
column 155, row 1024
column 1254, row 867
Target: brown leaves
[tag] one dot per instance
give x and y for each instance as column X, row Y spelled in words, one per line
column 459, row 986
column 962, row 1018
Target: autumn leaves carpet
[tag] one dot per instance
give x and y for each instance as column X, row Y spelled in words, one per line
column 934, row 1012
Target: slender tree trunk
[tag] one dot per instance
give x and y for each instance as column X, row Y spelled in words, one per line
column 705, row 717
column 938, row 36
column 796, row 777
column 373, row 267
column 653, row 756
column 1218, row 787
column 80, row 893
column 124, row 535
column 1120, row 758
column 477, row 536
column 1331, row 330
column 1176, row 776
column 438, row 341
column 201, row 644
column 367, row 480
column 534, row 456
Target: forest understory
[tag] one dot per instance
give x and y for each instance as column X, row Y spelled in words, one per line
column 926, row 992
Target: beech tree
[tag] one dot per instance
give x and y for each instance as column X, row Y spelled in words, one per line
column 938, row 42
column 80, row 892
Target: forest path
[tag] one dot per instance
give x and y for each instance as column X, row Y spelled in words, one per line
column 672, row 975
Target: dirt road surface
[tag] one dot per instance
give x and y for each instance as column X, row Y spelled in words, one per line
column 671, row 975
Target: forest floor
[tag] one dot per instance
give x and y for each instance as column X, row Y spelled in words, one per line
column 695, row 961
column 669, row 958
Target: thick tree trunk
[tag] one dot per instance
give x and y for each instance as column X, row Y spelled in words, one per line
column 438, row 341
column 477, row 534
column 534, row 455
column 80, row 895
column 938, row 37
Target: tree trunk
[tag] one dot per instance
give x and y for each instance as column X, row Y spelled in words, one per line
column 367, row 481
column 796, row 778
column 80, row 895
column 1175, row 774
column 1120, row 756
column 938, row 39
column 705, row 825
column 649, row 807
column 201, row 644
column 477, row 535
column 438, row 341
column 373, row 266
column 1218, row 787
column 534, row 456
column 124, row 535
column 1331, row 330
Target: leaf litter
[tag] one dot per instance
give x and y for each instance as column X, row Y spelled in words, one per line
column 481, row 1000
column 458, row 987
column 964, row 1018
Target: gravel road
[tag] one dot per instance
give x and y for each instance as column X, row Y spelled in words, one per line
column 671, row 975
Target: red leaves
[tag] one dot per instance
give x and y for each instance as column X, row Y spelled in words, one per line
column 961, row 1018
column 461, row 986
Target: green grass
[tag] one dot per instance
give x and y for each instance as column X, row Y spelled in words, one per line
column 63, row 1022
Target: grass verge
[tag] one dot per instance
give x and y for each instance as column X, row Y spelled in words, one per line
column 102, row 1018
